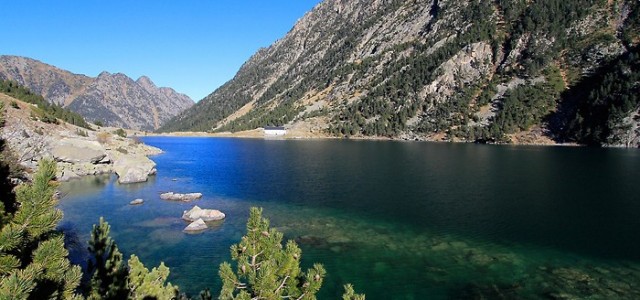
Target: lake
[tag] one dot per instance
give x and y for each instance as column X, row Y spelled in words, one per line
column 399, row 220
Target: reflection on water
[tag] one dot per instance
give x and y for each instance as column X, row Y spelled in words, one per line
column 85, row 186
column 398, row 220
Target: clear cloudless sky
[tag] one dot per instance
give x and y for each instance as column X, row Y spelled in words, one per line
column 193, row 46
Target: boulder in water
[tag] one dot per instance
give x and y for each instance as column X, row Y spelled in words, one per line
column 180, row 197
column 136, row 202
column 197, row 225
column 134, row 168
column 206, row 215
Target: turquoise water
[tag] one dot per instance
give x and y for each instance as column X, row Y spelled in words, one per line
column 398, row 220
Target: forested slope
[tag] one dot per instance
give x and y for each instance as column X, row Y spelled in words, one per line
column 442, row 70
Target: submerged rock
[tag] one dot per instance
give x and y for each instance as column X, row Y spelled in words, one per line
column 311, row 240
column 180, row 197
column 206, row 215
column 197, row 225
column 136, row 202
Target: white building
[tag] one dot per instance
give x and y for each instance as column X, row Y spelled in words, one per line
column 274, row 131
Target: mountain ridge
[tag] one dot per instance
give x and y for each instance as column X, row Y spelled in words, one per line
column 434, row 70
column 113, row 99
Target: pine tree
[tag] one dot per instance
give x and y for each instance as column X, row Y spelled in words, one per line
column 350, row 293
column 2, row 113
column 33, row 260
column 266, row 270
column 113, row 279
column 145, row 285
column 109, row 273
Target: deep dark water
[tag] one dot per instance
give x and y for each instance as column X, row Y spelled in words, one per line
column 400, row 220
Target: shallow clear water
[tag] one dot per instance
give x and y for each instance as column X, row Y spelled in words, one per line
column 399, row 220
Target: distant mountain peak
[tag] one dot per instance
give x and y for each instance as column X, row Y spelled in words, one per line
column 146, row 82
column 114, row 99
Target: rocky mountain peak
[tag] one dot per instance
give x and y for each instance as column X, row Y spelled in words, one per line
column 112, row 98
column 145, row 82
column 477, row 70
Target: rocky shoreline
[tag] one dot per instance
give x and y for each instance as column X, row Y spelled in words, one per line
column 77, row 151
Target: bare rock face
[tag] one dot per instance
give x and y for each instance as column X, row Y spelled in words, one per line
column 206, row 215
column 114, row 99
column 469, row 65
column 79, row 151
column 121, row 102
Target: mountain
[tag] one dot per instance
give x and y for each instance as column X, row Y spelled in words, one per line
column 113, row 99
column 499, row 71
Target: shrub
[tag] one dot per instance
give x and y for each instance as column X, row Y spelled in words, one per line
column 1, row 114
column 122, row 150
column 121, row 132
column 47, row 118
column 14, row 104
column 103, row 137
column 99, row 123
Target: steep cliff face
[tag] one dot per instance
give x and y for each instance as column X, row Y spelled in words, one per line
column 114, row 99
column 430, row 69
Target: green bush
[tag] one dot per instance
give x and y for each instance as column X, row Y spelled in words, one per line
column 120, row 132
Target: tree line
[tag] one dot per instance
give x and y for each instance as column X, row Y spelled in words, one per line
column 45, row 111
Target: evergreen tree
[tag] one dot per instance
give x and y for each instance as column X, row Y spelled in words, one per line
column 33, row 260
column 109, row 273
column 2, row 113
column 350, row 293
column 149, row 285
column 112, row 279
column 266, row 270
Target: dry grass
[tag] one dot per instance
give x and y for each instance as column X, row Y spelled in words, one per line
column 103, row 137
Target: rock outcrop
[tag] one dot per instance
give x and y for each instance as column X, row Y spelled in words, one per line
column 180, row 197
column 77, row 151
column 134, row 168
column 114, row 99
column 206, row 215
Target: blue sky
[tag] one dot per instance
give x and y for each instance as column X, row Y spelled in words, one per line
column 192, row 46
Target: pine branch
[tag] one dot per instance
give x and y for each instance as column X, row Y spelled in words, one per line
column 281, row 284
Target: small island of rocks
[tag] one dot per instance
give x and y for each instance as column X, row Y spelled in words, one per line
column 206, row 215
column 180, row 197
column 198, row 216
